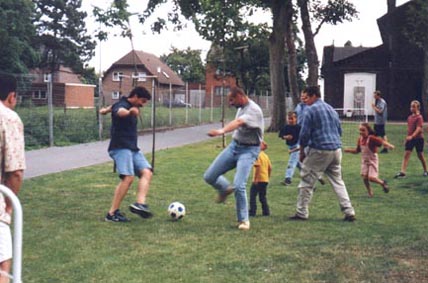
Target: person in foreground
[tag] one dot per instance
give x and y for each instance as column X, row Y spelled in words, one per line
column 5, row 242
column 241, row 153
column 414, row 139
column 262, row 170
column 368, row 144
column 123, row 149
column 321, row 133
column 12, row 144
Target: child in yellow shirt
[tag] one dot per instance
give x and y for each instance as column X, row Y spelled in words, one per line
column 262, row 169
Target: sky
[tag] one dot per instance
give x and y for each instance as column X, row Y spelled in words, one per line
column 361, row 32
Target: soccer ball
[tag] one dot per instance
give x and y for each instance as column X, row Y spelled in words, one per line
column 176, row 210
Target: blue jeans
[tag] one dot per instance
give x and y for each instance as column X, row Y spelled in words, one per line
column 241, row 158
column 293, row 160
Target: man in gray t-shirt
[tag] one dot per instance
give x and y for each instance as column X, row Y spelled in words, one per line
column 241, row 153
column 380, row 108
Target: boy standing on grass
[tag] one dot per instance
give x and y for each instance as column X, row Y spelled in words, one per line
column 123, row 149
column 290, row 133
column 368, row 145
column 262, row 170
column 414, row 139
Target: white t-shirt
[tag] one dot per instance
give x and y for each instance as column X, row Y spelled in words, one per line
column 252, row 131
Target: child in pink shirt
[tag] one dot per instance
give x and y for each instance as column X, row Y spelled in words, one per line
column 368, row 145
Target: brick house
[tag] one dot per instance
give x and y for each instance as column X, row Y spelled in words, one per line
column 214, row 85
column 138, row 68
column 67, row 89
column 352, row 74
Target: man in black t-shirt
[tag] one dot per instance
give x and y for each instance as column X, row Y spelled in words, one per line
column 129, row 161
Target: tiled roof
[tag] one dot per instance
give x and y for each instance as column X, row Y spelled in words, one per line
column 151, row 63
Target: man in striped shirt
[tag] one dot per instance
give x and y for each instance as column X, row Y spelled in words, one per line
column 321, row 133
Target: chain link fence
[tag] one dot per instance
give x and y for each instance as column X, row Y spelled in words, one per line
column 59, row 114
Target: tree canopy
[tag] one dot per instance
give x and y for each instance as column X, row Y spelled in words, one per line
column 17, row 33
column 186, row 63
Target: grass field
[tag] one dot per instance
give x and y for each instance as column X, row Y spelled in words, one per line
column 66, row 239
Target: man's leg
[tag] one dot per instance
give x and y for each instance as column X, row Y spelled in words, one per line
column 244, row 165
column 120, row 192
column 143, row 185
column 224, row 162
column 334, row 174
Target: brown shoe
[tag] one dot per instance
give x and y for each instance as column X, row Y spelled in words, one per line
column 222, row 196
column 349, row 218
column 297, row 217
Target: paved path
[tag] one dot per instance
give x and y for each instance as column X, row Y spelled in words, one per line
column 57, row 159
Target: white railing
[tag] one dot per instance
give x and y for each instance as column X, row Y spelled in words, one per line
column 17, row 233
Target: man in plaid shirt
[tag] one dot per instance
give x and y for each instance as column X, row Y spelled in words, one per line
column 320, row 133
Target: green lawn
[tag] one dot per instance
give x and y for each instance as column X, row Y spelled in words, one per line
column 66, row 239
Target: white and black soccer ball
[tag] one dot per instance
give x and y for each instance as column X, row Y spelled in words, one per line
column 176, row 210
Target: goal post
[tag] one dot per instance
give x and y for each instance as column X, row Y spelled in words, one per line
column 350, row 118
column 17, row 233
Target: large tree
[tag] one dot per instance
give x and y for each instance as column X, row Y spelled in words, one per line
column 17, row 34
column 186, row 63
column 416, row 31
column 247, row 59
column 62, row 34
column 319, row 13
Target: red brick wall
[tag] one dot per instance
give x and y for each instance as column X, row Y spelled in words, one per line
column 79, row 96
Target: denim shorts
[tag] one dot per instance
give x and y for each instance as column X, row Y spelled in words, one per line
column 128, row 162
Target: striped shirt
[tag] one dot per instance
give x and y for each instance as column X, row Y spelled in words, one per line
column 321, row 127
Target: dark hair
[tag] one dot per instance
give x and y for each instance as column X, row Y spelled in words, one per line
column 312, row 90
column 140, row 92
column 291, row 113
column 234, row 91
column 378, row 93
column 369, row 129
column 7, row 85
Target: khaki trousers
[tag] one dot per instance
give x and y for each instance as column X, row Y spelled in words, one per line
column 317, row 163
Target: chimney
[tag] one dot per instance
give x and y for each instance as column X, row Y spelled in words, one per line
column 391, row 5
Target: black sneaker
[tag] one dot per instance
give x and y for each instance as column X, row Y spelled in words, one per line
column 425, row 174
column 297, row 217
column 116, row 217
column 286, row 182
column 321, row 180
column 385, row 186
column 141, row 209
column 349, row 218
column 400, row 175
column 384, row 150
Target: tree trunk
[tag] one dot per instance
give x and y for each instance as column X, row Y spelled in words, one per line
column 292, row 54
column 311, row 51
column 276, row 64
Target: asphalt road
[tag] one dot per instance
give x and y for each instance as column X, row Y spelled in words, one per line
column 57, row 159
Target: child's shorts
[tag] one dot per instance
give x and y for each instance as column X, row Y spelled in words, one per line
column 5, row 242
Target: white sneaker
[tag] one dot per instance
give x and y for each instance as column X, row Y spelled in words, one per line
column 244, row 225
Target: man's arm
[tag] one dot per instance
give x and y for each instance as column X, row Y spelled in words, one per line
column 123, row 112
column 233, row 125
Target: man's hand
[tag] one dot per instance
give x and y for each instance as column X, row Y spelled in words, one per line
column 134, row 111
column 214, row 133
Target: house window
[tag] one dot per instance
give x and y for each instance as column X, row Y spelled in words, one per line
column 115, row 95
column 39, row 94
column 218, row 90
column 117, row 76
column 140, row 76
column 46, row 77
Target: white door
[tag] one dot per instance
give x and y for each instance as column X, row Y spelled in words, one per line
column 358, row 92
